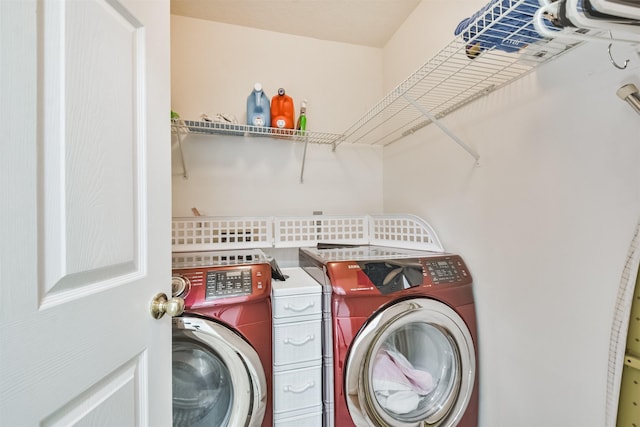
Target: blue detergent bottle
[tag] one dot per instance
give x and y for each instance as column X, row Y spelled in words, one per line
column 258, row 108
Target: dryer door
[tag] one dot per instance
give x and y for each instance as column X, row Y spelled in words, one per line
column 218, row 379
column 412, row 364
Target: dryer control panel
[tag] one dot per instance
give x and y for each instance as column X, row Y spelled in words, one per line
column 449, row 269
column 373, row 270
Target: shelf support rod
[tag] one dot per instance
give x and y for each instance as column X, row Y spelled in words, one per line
column 304, row 158
column 184, row 166
column 445, row 129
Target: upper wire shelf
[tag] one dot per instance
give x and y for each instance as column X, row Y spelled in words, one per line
column 455, row 76
column 502, row 42
column 235, row 129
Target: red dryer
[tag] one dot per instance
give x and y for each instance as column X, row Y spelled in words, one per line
column 401, row 341
column 222, row 343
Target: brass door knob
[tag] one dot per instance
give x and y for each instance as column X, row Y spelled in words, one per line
column 161, row 305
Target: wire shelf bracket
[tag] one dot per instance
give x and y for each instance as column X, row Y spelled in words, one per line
column 180, row 133
column 444, row 128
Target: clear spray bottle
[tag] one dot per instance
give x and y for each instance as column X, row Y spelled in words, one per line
column 302, row 119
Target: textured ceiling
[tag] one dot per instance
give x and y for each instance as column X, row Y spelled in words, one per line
column 362, row 22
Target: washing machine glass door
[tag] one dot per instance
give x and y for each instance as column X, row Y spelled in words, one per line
column 218, row 379
column 412, row 363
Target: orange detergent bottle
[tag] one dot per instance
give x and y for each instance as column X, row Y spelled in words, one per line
column 282, row 111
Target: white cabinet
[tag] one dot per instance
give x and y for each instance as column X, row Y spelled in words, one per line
column 297, row 350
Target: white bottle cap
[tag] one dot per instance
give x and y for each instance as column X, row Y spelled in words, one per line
column 258, row 87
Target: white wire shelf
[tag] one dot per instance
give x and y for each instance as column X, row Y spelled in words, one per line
column 182, row 128
column 451, row 79
column 235, row 129
column 511, row 46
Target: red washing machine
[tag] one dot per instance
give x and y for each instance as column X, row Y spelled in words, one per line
column 400, row 337
column 222, row 343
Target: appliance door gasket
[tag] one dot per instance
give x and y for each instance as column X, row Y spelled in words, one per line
column 364, row 406
column 240, row 358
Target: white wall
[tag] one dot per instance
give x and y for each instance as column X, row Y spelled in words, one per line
column 544, row 222
column 214, row 67
column 261, row 176
column 423, row 34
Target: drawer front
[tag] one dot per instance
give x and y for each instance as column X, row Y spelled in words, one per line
column 297, row 389
column 297, row 342
column 310, row 420
column 296, row 305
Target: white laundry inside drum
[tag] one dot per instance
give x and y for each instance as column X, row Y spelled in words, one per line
column 397, row 384
column 414, row 371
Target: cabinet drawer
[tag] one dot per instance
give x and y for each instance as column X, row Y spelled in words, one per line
column 313, row 419
column 296, row 305
column 297, row 342
column 297, row 389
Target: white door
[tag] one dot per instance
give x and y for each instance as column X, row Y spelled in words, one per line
column 84, row 212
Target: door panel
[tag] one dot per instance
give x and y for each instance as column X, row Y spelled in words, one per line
column 85, row 212
column 111, row 399
column 91, row 170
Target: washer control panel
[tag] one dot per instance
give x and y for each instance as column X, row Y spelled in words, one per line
column 228, row 283
column 220, row 285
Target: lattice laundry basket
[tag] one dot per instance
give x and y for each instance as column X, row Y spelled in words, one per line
column 225, row 233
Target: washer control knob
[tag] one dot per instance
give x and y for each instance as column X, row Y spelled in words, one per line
column 179, row 286
column 160, row 305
